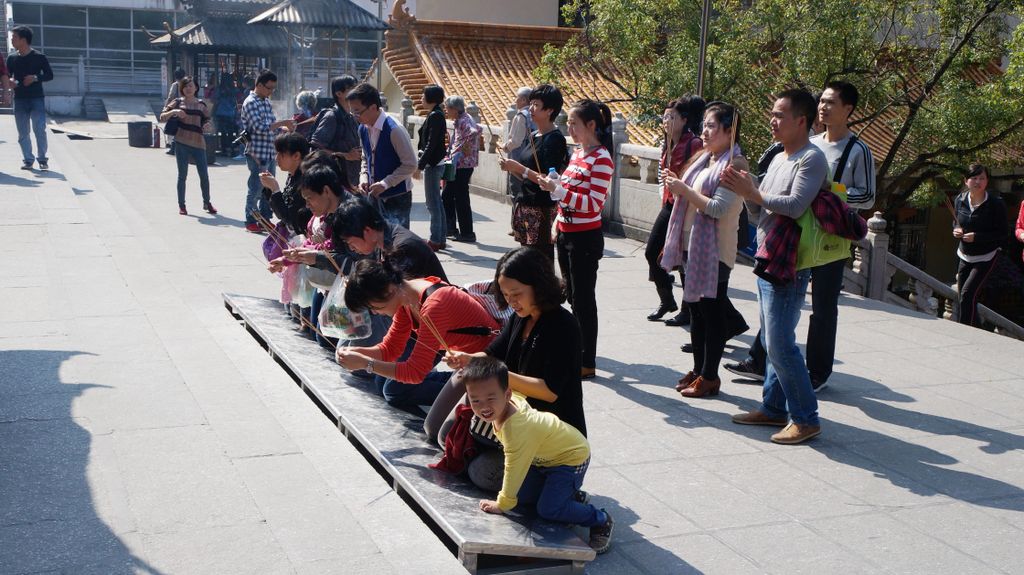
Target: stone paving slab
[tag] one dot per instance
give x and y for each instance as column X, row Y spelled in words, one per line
column 919, row 468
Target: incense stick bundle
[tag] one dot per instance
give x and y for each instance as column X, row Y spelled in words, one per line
column 433, row 329
column 732, row 136
column 309, row 324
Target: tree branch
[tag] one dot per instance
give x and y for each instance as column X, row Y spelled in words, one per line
column 915, row 105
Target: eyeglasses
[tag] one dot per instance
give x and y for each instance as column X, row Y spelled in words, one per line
column 352, row 110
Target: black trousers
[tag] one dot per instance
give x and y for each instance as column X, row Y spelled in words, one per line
column 655, row 244
column 455, row 198
column 970, row 279
column 708, row 327
column 579, row 254
column 827, row 281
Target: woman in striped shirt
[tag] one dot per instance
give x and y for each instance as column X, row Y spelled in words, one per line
column 581, row 192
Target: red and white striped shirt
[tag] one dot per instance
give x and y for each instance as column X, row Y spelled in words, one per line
column 586, row 182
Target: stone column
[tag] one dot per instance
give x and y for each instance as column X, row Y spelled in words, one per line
column 877, row 279
column 473, row 110
column 619, row 137
column 561, row 122
column 407, row 110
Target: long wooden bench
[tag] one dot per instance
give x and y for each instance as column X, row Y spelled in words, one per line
column 396, row 442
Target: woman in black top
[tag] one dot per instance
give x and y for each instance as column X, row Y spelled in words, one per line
column 534, row 209
column 541, row 346
column 982, row 227
column 431, row 152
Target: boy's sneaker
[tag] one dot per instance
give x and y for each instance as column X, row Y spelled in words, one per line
column 581, row 497
column 26, row 165
column 43, row 165
column 252, row 228
column 601, row 535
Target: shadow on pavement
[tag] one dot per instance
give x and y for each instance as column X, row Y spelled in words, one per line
column 12, row 180
column 917, row 468
column 48, row 519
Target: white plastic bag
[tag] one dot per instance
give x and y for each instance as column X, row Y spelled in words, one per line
column 338, row 321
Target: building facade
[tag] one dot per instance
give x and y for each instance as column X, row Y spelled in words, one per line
column 99, row 46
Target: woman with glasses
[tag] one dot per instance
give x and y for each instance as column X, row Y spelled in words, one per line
column 681, row 122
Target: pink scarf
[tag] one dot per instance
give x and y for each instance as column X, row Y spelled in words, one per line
column 700, row 257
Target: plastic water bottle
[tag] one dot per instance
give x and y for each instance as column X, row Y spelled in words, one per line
column 552, row 173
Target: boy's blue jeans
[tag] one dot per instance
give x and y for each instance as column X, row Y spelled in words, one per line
column 787, row 386
column 552, row 490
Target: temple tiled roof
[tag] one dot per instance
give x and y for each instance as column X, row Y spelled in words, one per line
column 487, row 63
column 233, row 35
column 326, row 13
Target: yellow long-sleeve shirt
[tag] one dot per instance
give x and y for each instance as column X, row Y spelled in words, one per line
column 532, row 437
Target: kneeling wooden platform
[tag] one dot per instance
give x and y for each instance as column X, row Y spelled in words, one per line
column 395, row 440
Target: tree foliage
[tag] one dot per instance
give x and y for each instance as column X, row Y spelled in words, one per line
column 915, row 64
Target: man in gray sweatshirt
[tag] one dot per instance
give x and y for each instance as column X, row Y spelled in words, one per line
column 792, row 181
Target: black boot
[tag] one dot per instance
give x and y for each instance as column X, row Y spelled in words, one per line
column 682, row 319
column 668, row 304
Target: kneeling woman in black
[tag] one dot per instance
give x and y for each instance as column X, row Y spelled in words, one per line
column 540, row 344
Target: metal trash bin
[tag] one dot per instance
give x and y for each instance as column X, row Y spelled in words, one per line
column 140, row 134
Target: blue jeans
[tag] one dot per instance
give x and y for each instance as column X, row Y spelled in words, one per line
column 399, row 394
column 432, row 189
column 33, row 109
column 552, row 490
column 254, row 197
column 787, row 386
column 182, row 154
column 397, row 209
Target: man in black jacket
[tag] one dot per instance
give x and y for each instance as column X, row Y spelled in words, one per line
column 337, row 131
column 431, row 152
column 29, row 69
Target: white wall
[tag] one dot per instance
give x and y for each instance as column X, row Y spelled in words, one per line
column 522, row 12
column 136, row 4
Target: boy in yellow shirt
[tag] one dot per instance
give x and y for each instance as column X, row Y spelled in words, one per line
column 545, row 458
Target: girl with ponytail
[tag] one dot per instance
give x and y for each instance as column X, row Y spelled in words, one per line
column 581, row 192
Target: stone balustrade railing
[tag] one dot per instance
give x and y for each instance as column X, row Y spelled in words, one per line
column 635, row 201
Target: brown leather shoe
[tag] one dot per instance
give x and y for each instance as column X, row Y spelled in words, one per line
column 702, row 387
column 588, row 373
column 795, row 433
column 435, row 246
column 759, row 418
column 686, row 380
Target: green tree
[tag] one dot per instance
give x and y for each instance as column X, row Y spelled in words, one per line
column 943, row 80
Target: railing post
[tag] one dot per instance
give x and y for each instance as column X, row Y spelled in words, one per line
column 562, row 122
column 619, row 137
column 473, row 110
column 877, row 259
column 81, row 75
column 510, row 115
column 407, row 110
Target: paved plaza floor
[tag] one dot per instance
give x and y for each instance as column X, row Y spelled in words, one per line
column 143, row 431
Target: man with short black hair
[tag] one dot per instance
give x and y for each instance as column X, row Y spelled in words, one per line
column 792, row 181
column 260, row 126
column 29, row 69
column 850, row 164
column 359, row 225
column 336, row 130
column 389, row 160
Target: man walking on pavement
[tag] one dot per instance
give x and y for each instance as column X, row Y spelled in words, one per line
column 29, row 70
column 260, row 126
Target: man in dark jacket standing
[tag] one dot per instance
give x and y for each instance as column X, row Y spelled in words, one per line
column 431, row 153
column 29, row 69
column 337, row 131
